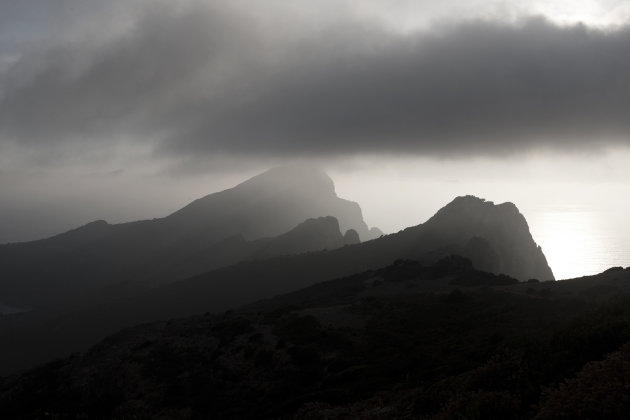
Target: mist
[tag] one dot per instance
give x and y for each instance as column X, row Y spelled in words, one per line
column 340, row 208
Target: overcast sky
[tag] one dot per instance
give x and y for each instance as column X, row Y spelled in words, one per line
column 128, row 109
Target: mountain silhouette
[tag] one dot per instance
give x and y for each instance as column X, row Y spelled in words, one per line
column 216, row 230
column 282, row 197
column 485, row 234
column 496, row 237
column 310, row 235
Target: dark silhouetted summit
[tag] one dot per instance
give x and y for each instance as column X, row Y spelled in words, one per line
column 310, row 235
column 496, row 237
column 351, row 237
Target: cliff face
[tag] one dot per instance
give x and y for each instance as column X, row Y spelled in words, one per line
column 495, row 236
column 310, row 235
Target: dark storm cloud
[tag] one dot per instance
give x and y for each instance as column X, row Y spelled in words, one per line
column 212, row 80
column 480, row 88
column 120, row 89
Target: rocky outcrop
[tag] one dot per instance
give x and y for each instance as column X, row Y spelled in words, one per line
column 310, row 235
column 374, row 233
column 495, row 236
column 351, row 237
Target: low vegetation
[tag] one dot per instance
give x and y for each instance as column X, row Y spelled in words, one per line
column 407, row 341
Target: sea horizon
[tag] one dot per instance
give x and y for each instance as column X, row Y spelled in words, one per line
column 580, row 240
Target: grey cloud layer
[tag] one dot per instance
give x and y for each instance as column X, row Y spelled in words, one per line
column 212, row 80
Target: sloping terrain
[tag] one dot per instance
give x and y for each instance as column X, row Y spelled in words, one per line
column 403, row 342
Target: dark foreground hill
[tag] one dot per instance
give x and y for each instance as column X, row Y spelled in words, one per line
column 409, row 341
column 216, row 230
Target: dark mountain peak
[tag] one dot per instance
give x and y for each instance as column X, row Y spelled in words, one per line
column 290, row 177
column 328, row 224
column 497, row 235
column 375, row 233
column 468, row 209
column 95, row 223
column 88, row 231
column 468, row 200
column 351, row 237
column 312, row 234
column 468, row 203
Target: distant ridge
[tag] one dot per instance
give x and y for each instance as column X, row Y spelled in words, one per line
column 479, row 230
column 208, row 233
column 310, row 235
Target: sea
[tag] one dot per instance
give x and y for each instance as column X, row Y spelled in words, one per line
column 581, row 240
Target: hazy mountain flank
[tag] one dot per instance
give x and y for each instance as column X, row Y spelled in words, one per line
column 214, row 231
column 270, row 204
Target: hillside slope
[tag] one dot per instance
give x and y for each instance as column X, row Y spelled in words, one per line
column 405, row 341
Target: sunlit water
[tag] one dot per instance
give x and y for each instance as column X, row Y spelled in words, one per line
column 579, row 241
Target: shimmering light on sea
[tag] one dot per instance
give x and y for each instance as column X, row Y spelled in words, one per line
column 579, row 241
